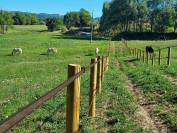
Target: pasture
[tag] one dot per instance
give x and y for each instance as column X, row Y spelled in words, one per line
column 26, row 77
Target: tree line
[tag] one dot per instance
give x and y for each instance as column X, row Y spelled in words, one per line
column 81, row 18
column 7, row 19
column 138, row 16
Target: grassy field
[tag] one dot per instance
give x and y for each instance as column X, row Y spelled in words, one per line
column 26, row 77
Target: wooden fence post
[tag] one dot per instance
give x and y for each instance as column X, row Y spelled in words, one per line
column 169, row 56
column 159, row 61
column 137, row 54
column 99, row 66
column 140, row 54
column 73, row 100
column 92, row 96
column 106, row 63
column 102, row 73
column 147, row 58
column 152, row 59
column 134, row 51
column 143, row 57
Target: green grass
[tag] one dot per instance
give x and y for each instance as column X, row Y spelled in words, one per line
column 157, row 90
column 25, row 77
column 117, row 103
column 150, row 79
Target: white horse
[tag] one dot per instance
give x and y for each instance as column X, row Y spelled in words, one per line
column 52, row 51
column 17, row 51
column 97, row 51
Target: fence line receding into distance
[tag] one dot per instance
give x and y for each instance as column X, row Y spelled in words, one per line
column 97, row 68
column 146, row 57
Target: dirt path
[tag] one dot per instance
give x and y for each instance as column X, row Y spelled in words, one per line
column 144, row 115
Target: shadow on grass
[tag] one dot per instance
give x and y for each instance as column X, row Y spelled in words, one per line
column 131, row 60
column 89, row 55
column 44, row 54
column 8, row 55
column 74, row 37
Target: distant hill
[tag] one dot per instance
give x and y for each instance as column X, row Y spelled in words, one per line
column 41, row 16
column 44, row 16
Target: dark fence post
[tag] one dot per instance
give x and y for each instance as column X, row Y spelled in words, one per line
column 169, row 56
column 143, row 56
column 147, row 58
column 159, row 59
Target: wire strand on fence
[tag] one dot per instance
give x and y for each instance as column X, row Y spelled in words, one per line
column 25, row 111
column 15, row 118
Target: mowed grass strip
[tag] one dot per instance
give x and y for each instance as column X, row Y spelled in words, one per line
column 116, row 106
column 157, row 90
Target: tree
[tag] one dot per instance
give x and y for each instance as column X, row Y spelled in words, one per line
column 72, row 19
column 25, row 19
column 175, row 17
column 5, row 21
column 138, row 16
column 105, row 16
column 34, row 19
column 85, row 18
column 51, row 24
column 77, row 19
column 54, row 24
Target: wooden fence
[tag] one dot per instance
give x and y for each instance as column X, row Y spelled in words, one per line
column 97, row 68
column 146, row 57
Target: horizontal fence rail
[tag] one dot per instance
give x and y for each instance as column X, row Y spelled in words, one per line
column 15, row 118
column 20, row 115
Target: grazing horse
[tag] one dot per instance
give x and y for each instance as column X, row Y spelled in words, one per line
column 149, row 50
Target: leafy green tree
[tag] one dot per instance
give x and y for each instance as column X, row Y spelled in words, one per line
column 54, row 24
column 141, row 17
column 77, row 19
column 25, row 19
column 5, row 21
column 51, row 24
column 85, row 18
column 72, row 19
column 138, row 16
column 19, row 19
column 175, row 17
column 104, row 19
column 34, row 20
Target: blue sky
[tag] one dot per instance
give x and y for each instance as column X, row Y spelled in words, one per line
column 53, row 6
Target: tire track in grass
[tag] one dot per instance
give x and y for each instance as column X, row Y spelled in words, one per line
column 116, row 106
column 144, row 115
